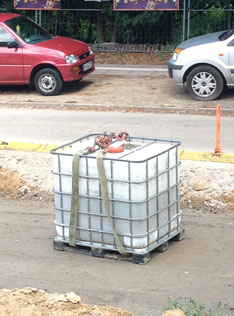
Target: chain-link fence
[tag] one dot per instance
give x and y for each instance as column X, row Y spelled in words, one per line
column 97, row 24
column 206, row 17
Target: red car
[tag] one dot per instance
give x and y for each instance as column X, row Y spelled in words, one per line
column 31, row 55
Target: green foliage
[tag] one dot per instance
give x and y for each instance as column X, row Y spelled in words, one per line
column 192, row 308
column 6, row 5
column 161, row 28
column 207, row 22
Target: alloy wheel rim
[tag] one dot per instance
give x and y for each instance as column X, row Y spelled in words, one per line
column 204, row 84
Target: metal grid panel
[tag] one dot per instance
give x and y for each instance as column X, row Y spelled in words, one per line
column 147, row 215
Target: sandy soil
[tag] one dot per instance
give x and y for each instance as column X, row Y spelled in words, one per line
column 34, row 302
column 206, row 186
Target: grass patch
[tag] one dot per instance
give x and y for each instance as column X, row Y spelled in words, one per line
column 193, row 308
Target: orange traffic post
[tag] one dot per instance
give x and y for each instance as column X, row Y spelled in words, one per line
column 218, row 149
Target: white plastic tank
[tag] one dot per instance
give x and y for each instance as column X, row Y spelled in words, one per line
column 143, row 185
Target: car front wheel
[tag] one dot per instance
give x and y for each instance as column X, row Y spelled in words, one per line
column 48, row 82
column 205, row 83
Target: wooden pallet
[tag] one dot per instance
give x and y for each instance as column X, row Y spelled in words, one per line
column 103, row 253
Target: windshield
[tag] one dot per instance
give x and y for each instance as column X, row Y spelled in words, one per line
column 30, row 32
column 225, row 35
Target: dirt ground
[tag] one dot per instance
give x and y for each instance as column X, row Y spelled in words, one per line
column 111, row 92
column 199, row 267
column 34, row 302
column 158, row 58
column 207, row 193
column 22, row 178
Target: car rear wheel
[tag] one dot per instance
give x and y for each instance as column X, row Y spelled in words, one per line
column 205, row 83
column 48, row 82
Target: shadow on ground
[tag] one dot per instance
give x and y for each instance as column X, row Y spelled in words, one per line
column 69, row 88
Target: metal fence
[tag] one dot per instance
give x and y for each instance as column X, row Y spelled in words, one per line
column 131, row 31
column 97, row 24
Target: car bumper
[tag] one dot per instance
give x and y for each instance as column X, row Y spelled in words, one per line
column 73, row 72
column 175, row 72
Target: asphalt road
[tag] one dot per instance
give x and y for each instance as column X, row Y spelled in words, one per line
column 196, row 133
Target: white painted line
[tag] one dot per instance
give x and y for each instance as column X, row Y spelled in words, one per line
column 132, row 69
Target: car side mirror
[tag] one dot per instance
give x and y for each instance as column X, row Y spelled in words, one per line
column 12, row 45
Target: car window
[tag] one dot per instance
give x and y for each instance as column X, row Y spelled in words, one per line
column 5, row 38
column 225, row 35
column 29, row 31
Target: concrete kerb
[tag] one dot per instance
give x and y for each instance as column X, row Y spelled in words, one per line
column 183, row 155
column 108, row 108
column 44, row 148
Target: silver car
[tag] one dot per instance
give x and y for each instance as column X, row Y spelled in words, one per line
column 204, row 64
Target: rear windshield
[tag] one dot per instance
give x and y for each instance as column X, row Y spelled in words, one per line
column 225, row 35
column 29, row 31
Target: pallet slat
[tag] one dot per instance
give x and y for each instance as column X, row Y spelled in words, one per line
column 103, row 253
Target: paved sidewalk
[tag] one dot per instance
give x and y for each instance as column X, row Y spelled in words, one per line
column 131, row 70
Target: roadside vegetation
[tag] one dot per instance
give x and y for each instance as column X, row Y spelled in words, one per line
column 193, row 308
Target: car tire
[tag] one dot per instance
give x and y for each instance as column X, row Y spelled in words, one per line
column 205, row 83
column 48, row 82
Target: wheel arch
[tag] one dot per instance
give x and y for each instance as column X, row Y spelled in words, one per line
column 202, row 64
column 40, row 67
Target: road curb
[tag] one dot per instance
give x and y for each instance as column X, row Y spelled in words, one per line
column 44, row 148
column 206, row 156
column 183, row 155
column 111, row 108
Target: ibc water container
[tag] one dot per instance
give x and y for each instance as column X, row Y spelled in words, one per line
column 143, row 185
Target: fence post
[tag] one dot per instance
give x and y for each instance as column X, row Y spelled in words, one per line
column 228, row 16
column 38, row 17
column 188, row 22
column 184, row 19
